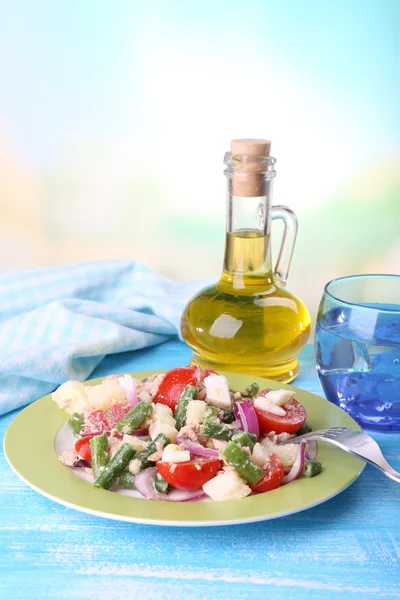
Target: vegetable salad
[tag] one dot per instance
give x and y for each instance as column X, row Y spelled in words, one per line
column 186, row 430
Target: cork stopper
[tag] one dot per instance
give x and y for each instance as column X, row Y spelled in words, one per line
column 248, row 178
column 250, row 147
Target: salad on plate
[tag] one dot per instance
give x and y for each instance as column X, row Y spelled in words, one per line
column 185, row 435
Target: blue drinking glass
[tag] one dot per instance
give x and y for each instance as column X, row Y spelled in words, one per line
column 357, row 348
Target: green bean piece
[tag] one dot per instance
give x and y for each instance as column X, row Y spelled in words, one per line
column 189, row 393
column 305, row 428
column 242, row 463
column 252, row 390
column 99, row 452
column 312, row 468
column 134, row 417
column 126, row 481
column 76, row 422
column 142, row 459
column 219, row 431
column 115, row 467
column 228, row 416
column 245, row 439
column 160, row 484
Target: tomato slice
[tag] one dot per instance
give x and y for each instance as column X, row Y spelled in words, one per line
column 115, row 414
column 82, row 446
column 295, row 417
column 173, row 385
column 273, row 475
column 189, row 475
column 94, row 422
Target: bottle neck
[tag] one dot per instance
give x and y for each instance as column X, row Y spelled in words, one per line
column 247, row 248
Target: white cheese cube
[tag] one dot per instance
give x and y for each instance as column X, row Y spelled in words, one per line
column 134, row 466
column 263, row 404
column 71, row 396
column 287, row 453
column 106, row 394
column 279, row 397
column 160, row 413
column 260, row 455
column 195, row 411
column 217, row 391
column 114, row 444
column 226, row 486
column 172, row 453
column 135, row 442
column 158, row 427
column 163, row 414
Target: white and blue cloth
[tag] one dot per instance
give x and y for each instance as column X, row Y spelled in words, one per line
column 58, row 323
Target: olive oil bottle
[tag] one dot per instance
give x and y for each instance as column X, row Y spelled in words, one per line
column 249, row 322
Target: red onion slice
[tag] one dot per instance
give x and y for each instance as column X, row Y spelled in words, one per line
column 140, row 432
column 137, row 432
column 311, row 451
column 239, row 424
column 144, row 483
column 198, row 374
column 246, row 416
column 82, row 463
column 298, row 465
column 185, row 496
column 195, row 448
column 127, row 382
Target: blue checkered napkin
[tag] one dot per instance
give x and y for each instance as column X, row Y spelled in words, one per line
column 58, row 323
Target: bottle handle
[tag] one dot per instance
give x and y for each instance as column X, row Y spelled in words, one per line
column 289, row 219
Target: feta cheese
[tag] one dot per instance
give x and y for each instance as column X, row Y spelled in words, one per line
column 114, row 444
column 172, row 453
column 106, row 394
column 163, row 414
column 195, row 411
column 160, row 413
column 135, row 442
column 260, row 455
column 158, row 427
column 217, row 389
column 279, row 397
column 264, row 404
column 287, row 454
column 134, row 466
column 226, row 486
column 71, row 396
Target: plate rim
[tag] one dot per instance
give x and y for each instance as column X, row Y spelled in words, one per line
column 211, row 522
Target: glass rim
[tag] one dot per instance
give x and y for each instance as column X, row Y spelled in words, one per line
column 330, row 295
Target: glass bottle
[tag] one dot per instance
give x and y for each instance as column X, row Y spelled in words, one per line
column 249, row 322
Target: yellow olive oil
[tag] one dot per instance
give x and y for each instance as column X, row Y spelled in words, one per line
column 248, row 322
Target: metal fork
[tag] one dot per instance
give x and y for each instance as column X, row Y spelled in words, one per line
column 355, row 442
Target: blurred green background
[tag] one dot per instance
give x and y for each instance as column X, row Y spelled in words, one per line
column 115, row 116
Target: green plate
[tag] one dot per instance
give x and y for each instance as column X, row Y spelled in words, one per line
column 29, row 448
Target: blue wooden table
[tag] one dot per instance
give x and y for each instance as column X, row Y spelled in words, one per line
column 347, row 548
